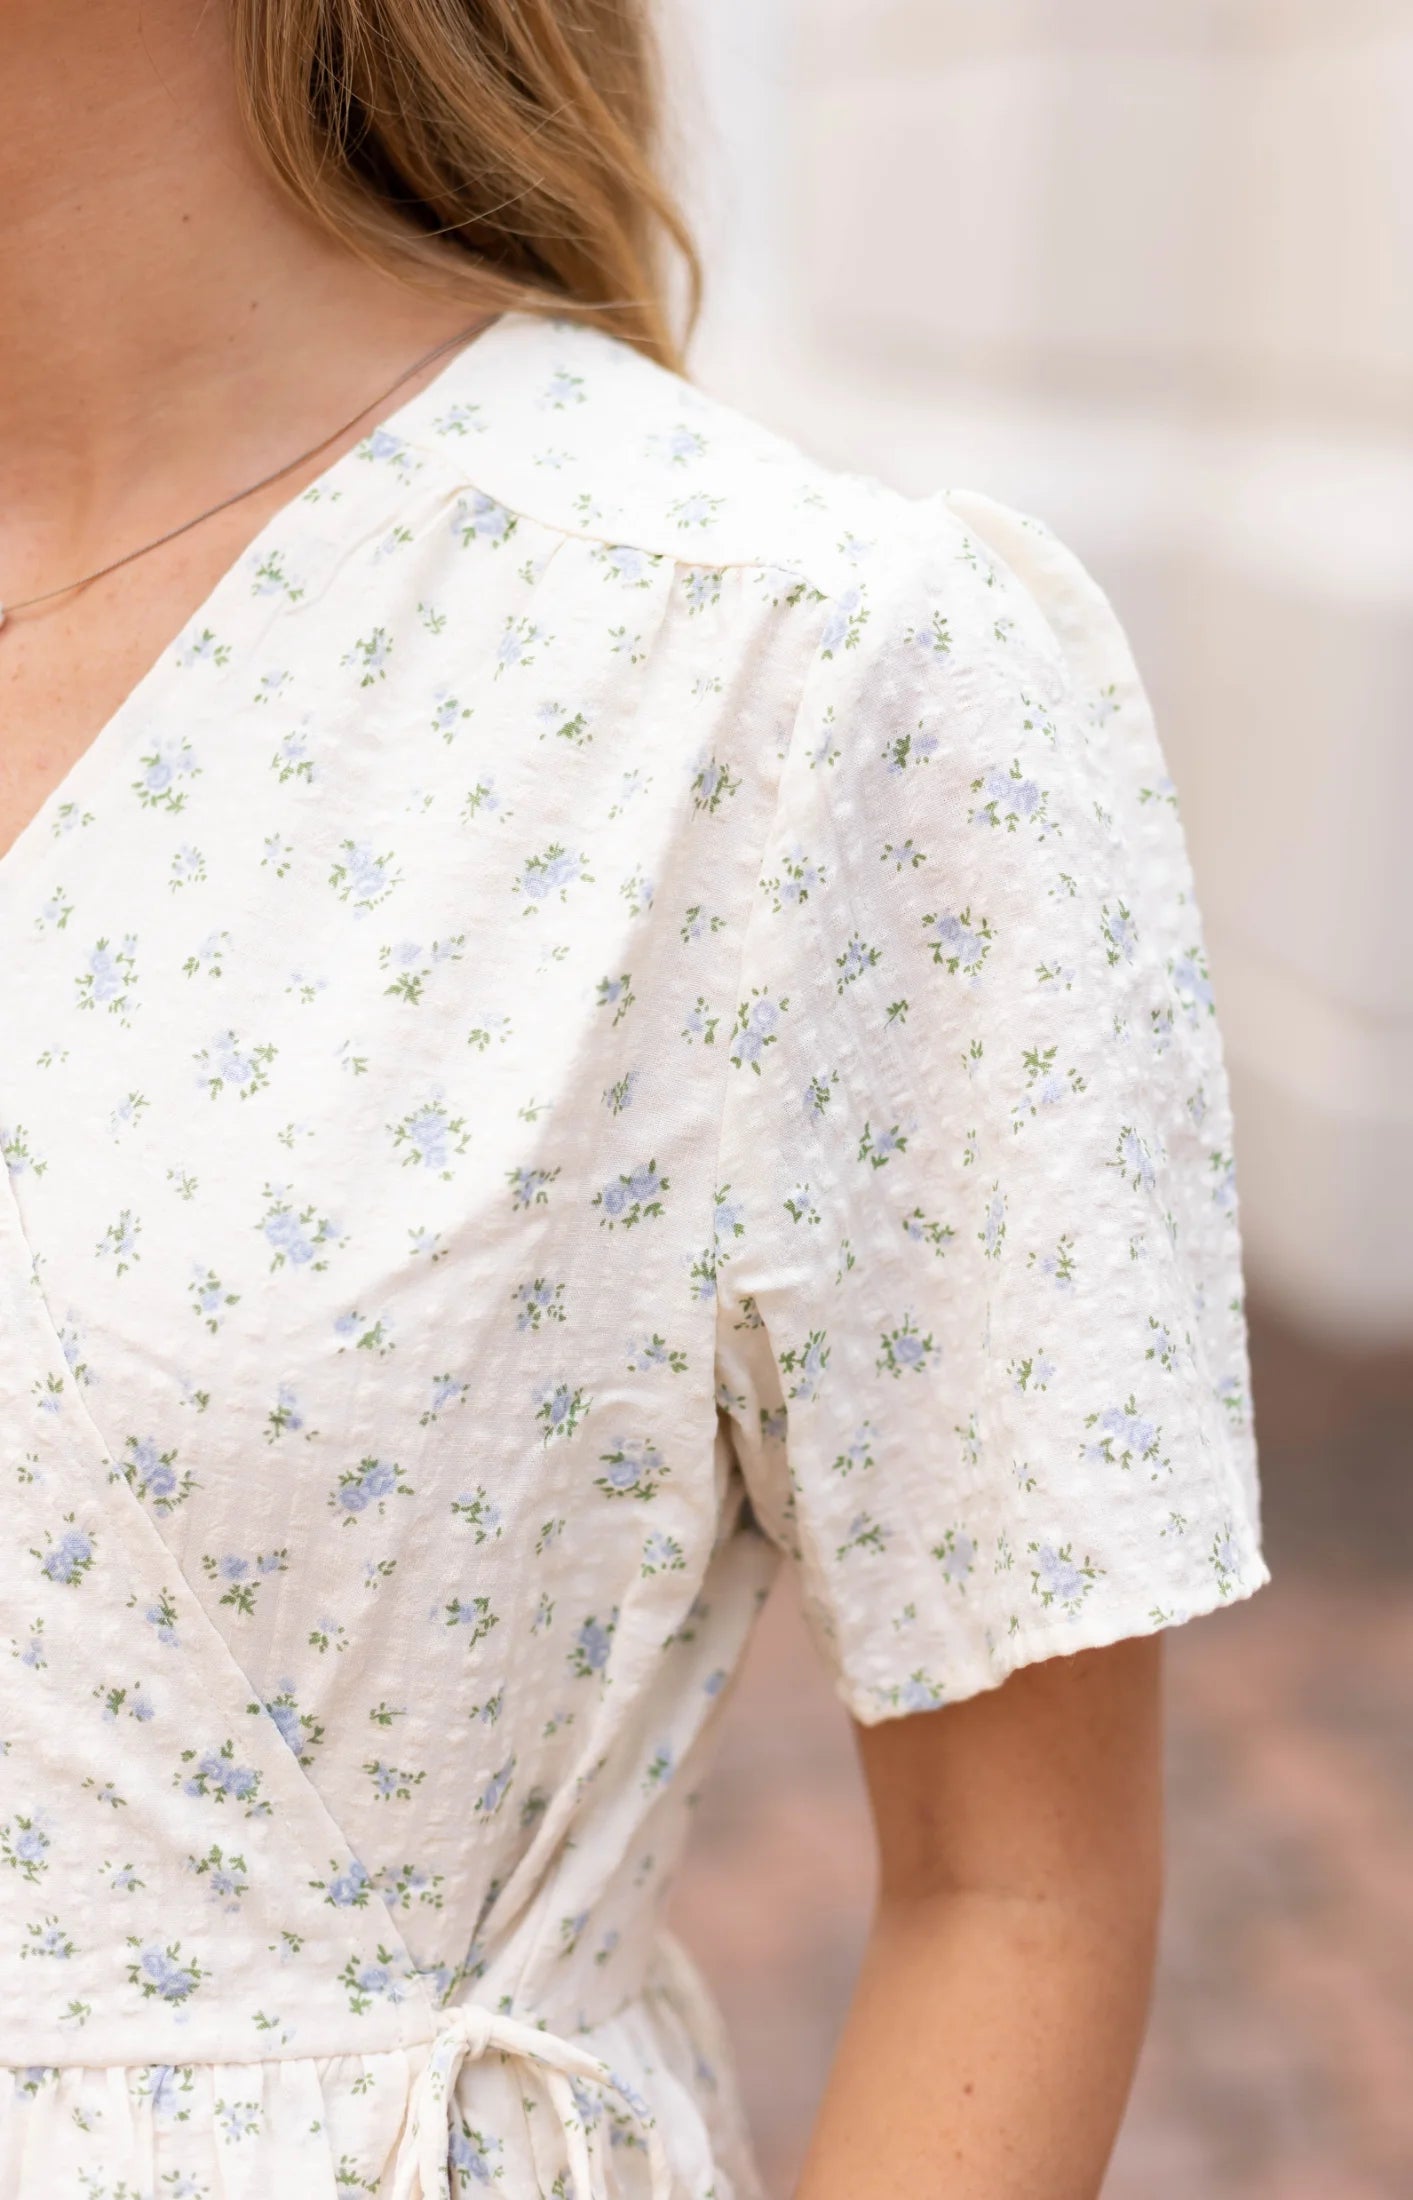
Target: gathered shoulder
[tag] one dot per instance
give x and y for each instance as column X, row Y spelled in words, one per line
column 946, row 593
column 573, row 428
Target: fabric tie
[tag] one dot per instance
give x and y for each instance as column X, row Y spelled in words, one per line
column 472, row 2031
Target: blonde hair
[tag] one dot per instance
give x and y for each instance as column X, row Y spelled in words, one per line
column 514, row 138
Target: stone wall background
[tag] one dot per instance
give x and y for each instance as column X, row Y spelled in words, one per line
column 1145, row 268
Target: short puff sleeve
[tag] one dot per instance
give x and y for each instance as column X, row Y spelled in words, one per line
column 980, row 1340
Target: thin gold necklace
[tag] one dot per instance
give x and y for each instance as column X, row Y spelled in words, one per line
column 448, row 343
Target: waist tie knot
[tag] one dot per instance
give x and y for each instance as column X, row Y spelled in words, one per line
column 472, row 2031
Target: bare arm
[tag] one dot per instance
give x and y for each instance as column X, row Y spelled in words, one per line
column 992, row 2038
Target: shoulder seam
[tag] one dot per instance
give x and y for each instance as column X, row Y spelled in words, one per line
column 452, row 464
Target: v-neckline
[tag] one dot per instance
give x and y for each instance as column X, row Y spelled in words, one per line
column 401, row 425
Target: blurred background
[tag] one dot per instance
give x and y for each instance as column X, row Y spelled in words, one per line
column 1145, row 268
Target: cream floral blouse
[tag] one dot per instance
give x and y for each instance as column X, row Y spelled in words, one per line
column 617, row 1006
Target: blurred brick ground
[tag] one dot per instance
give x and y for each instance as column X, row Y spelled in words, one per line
column 1279, row 2060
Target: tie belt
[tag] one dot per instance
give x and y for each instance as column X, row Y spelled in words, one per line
column 473, row 2031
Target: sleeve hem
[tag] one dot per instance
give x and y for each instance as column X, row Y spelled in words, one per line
column 872, row 1704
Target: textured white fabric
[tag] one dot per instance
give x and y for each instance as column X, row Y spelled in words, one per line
column 617, row 1005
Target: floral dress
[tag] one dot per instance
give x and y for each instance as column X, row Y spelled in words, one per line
column 618, row 1007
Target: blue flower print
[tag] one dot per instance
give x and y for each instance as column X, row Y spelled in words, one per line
column 24, row 1846
column 632, row 1198
column 298, row 1730
column 478, row 518
column 1134, row 1160
column 905, row 1349
column 474, row 1614
column 270, row 577
column 481, row 1514
column 1057, row 1578
column 1120, row 933
column 348, row 1889
column 865, row 1533
column 700, row 1023
column 1010, row 800
column 592, row 1645
column 530, row 1187
column 918, row 1693
column 559, row 1408
column 224, row 1877
column 367, row 1487
column 161, row 1973
column 109, row 978
column 1125, row 1436
column 798, row 878
column 48, row 1940
column 858, row 1452
column 1194, row 986
column 958, row 944
column 519, row 644
column 633, row 1467
column 654, row 1351
column 805, row 1364
column 757, row 1027
column 676, row 445
column 205, row 648
column 219, row 1777
column 69, row 1558
column 383, row 448
column 993, row 1229
column 237, row 2120
column 370, row 655
column 856, row 957
column 1225, row 1559
column 15, row 1151
column 154, row 1476
column 663, row 1554
column 447, row 1390
column 660, row 1767
column 955, row 1556
column 161, row 1617
column 562, row 390
column 624, row 563
column 385, row 1979
column 695, row 511
column 296, row 1236
column 553, row 871
column 905, row 750
column 494, row 1792
column 539, row 1301
column 362, row 878
column 844, row 626
column 473, row 2155
column 392, row 1783
column 162, row 768
column 712, row 784
column 460, row 419
column 430, row 1138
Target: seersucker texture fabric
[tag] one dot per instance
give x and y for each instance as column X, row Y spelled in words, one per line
column 619, row 1009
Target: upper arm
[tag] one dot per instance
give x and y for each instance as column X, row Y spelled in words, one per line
column 1048, row 1787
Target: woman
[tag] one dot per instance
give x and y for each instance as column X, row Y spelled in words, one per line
column 613, row 1007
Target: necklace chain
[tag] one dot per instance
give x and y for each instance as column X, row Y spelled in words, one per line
column 448, row 343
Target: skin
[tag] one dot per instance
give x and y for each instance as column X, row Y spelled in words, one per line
column 991, row 2041
column 170, row 330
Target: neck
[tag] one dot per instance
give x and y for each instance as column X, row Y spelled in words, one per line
column 164, row 312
